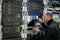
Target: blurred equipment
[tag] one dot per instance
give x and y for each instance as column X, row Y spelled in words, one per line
column 54, row 3
column 35, row 8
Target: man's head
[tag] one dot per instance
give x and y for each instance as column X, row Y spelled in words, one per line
column 48, row 16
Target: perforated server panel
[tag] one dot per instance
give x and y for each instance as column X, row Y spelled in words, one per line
column 11, row 13
column 11, row 19
column 35, row 5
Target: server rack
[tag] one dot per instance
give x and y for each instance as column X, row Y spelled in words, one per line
column 11, row 19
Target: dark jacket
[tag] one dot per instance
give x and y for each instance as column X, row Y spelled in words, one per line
column 51, row 30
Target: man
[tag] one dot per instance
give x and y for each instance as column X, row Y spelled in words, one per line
column 50, row 27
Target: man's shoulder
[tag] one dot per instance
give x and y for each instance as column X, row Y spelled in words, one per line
column 54, row 24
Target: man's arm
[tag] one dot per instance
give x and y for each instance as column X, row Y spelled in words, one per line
column 44, row 25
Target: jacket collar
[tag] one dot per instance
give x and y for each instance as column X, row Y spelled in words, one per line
column 49, row 22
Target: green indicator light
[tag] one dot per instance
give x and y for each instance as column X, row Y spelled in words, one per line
column 18, row 15
column 19, row 28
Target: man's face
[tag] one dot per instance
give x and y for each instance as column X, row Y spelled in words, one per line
column 46, row 17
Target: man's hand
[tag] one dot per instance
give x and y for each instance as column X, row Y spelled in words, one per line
column 40, row 20
column 36, row 29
